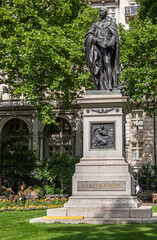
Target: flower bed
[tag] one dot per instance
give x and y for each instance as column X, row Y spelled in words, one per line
column 31, row 204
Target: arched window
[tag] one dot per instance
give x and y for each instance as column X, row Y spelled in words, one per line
column 13, row 126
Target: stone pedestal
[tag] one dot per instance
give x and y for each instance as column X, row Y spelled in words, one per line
column 103, row 178
column 103, row 186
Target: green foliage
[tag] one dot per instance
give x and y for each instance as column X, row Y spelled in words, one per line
column 57, row 172
column 41, row 50
column 147, row 177
column 148, row 9
column 40, row 190
column 17, row 160
column 138, row 55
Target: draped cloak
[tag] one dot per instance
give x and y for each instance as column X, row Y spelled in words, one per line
column 94, row 55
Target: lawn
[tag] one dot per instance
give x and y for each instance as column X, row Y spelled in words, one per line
column 155, row 208
column 16, row 226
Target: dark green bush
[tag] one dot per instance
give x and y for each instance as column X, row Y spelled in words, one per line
column 147, row 177
column 56, row 173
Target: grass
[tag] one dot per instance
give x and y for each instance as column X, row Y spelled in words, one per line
column 155, row 208
column 16, row 226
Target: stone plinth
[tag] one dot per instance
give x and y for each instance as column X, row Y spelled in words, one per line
column 103, row 185
column 103, row 172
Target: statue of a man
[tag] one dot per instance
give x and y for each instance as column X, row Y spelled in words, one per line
column 102, row 52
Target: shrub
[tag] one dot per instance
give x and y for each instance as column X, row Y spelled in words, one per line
column 56, row 173
column 147, row 177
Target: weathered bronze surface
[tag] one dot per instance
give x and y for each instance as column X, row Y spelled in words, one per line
column 102, row 52
column 102, row 135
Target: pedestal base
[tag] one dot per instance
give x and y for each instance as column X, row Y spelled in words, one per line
column 103, row 188
column 99, row 215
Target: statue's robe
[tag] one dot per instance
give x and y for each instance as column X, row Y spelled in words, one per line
column 94, row 54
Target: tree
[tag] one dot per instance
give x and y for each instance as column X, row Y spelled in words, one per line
column 41, row 50
column 148, row 9
column 18, row 161
column 138, row 51
column 147, row 177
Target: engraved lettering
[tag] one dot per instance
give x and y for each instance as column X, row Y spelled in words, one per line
column 101, row 186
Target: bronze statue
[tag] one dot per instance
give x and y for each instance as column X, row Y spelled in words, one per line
column 102, row 52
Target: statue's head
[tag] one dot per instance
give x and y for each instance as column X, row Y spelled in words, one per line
column 103, row 11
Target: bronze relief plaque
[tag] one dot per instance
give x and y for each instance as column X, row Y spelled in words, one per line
column 102, row 135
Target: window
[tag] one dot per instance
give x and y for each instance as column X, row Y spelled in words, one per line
column 14, row 125
column 58, row 138
column 112, row 13
column 133, row 9
column 137, row 150
column 132, row 2
column 137, row 120
column 66, row 127
column 55, row 129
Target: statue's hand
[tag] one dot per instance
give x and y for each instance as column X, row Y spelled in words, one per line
column 108, row 45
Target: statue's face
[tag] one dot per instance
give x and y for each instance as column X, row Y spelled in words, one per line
column 103, row 13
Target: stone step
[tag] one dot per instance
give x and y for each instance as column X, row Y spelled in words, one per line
column 116, row 197
column 103, row 161
column 101, row 174
column 88, row 212
column 103, row 201
column 153, row 219
column 102, row 169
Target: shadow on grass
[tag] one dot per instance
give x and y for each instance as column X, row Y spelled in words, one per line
column 104, row 232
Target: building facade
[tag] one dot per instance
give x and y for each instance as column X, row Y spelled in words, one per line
column 120, row 10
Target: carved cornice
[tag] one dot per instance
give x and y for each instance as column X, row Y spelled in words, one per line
column 102, row 110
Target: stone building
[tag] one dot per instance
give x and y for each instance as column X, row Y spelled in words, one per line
column 140, row 138
column 120, row 10
column 46, row 140
column 18, row 114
